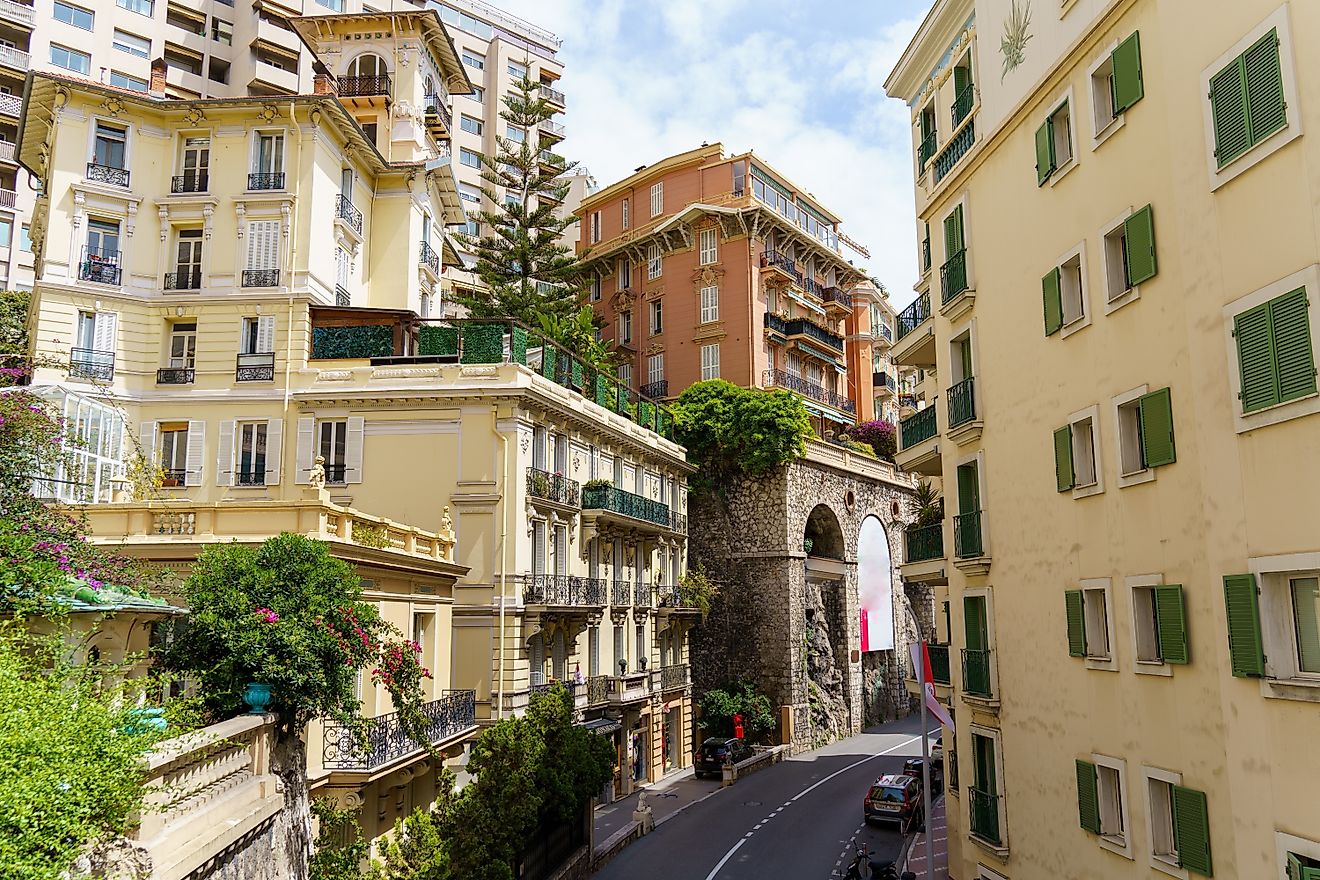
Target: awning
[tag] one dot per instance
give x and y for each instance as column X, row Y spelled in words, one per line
column 601, row 725
column 818, row 353
column 805, row 302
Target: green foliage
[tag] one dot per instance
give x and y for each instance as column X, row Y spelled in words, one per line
column 879, row 434
column 437, row 339
column 696, row 590
column 927, row 507
column 731, row 432
column 70, row 757
column 339, row 849
column 576, row 333
column 860, row 448
column 521, row 246
column 719, row 706
column 369, row 341
column 13, row 323
column 597, row 483
column 483, row 343
column 370, row 536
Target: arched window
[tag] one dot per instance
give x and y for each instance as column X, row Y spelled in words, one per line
column 426, row 305
column 367, row 65
column 536, row 650
column 428, row 86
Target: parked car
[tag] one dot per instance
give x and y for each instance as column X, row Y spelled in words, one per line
column 937, row 749
column 912, row 767
column 895, row 797
column 718, row 751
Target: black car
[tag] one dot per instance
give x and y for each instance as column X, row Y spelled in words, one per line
column 717, row 752
column 912, row 767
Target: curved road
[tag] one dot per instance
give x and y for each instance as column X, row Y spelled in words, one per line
column 793, row 820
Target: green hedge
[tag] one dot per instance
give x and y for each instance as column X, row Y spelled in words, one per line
column 332, row 343
column 483, row 344
column 435, row 339
column 549, row 359
column 603, row 390
column 519, row 346
column 647, row 412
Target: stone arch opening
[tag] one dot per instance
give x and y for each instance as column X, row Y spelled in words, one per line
column 822, row 535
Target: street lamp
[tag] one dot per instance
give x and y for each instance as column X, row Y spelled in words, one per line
column 925, row 742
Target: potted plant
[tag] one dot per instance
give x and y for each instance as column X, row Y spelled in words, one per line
column 257, row 697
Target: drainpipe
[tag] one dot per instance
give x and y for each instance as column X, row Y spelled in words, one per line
column 751, row 313
column 504, row 565
column 288, row 341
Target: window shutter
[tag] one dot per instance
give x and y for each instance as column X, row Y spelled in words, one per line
column 1156, row 415
column 266, row 334
column 1063, row 464
column 353, row 449
column 196, row 449
column 147, row 437
column 1139, row 246
column 593, row 654
column 1171, row 621
column 1074, row 607
column 974, row 622
column 1242, row 610
column 969, row 500
column 306, row 450
column 1051, row 291
column 224, row 459
column 1191, row 830
column 561, row 550
column 1299, row 871
column 1228, row 107
column 1267, row 111
column 274, row 449
column 104, row 331
column 1256, row 365
column 1044, row 152
column 538, row 547
column 538, row 659
column 953, row 233
column 263, row 244
column 1088, row 797
column 1290, row 329
column 1294, row 867
column 1126, row 62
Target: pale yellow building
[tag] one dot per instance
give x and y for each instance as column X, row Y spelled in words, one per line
column 1117, row 326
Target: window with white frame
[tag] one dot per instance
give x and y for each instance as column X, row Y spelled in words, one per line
column 1116, row 83
column 625, row 273
column 173, row 460
column 251, row 462
column 1095, row 602
column 655, row 368
column 1071, row 290
column 1131, row 459
column 183, row 346
column 516, row 134
column 1304, row 597
column 654, row 263
column 470, row 124
column 1054, row 149
column 623, row 207
column 625, row 327
column 70, row 59
column 1083, row 441
column 474, row 60
column 625, row 375
column 110, row 145
column 595, row 227
column 258, row 335
column 469, row 193
column 131, row 44
column 657, row 314
column 657, row 198
column 1109, row 787
column 74, row 15
column 141, row 7
column 595, row 288
column 710, row 361
column 470, row 158
column 710, row 304
column 708, row 240
column 517, row 71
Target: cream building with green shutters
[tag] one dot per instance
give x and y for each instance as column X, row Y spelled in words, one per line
column 1117, row 322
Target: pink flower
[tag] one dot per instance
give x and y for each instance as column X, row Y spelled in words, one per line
column 268, row 615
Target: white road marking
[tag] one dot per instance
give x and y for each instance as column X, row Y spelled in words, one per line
column 728, row 855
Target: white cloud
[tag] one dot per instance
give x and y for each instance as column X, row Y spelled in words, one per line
column 646, row 80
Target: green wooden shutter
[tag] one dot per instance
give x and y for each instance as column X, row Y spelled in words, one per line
column 974, row 623
column 1171, row 621
column 1051, row 287
column 961, row 79
column 1156, row 414
column 1301, row 868
column 1063, row 463
column 927, row 124
column 1139, row 246
column 1126, row 63
column 1294, row 867
column 1228, row 107
column 1290, row 328
column 1075, row 612
column 1044, row 152
column 969, row 500
column 1242, row 609
column 953, row 233
column 1267, row 111
column 1255, row 348
column 1191, row 830
column 1088, row 797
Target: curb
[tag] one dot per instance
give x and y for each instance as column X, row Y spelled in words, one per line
column 597, row 860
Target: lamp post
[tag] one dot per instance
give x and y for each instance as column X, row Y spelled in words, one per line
column 925, row 744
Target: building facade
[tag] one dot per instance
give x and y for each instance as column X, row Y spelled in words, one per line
column 1128, row 560
column 870, row 336
column 715, row 267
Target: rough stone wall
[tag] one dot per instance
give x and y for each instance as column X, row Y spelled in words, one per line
column 783, row 619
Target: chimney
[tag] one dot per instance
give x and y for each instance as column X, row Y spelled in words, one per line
column 323, row 82
column 158, row 70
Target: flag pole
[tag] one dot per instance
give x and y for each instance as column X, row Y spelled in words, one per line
column 925, row 745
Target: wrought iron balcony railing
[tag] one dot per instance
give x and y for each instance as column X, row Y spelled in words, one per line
column 673, row 678
column 343, row 298
column 87, row 363
column 882, row 379
column 955, row 150
column 250, row 478
column 939, row 663
column 184, row 279
column 598, row 690
column 677, row 521
column 926, row 149
column 962, row 105
column 175, row 376
column 837, row 296
column 552, row 487
column 976, row 672
column 953, row 276
column 192, row 182
column 336, row 474
column 917, row 428
column 563, row 589
column 345, row 211
column 924, row 543
column 429, row 257
column 259, row 180
column 782, row 379
column 626, row 503
column 917, row 313
column 363, row 86
column 110, row 174
column 261, row 277
column 774, row 258
column 387, row 738
column 967, row 537
column 962, row 402
column 642, row 595
column 172, row 478
column 100, row 265
column 985, row 815
column 884, row 331
column 255, row 367
column 435, row 107
column 657, row 389
column 803, row 327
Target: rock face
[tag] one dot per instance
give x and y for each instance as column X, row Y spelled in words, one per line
column 783, row 548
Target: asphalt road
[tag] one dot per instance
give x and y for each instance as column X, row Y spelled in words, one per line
column 793, row 820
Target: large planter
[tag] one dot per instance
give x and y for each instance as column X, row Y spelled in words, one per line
column 257, row 697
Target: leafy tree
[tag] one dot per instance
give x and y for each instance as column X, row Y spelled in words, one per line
column 927, row 507
column 731, row 431
column 577, row 333
column 521, row 246
column 339, row 847
column 13, row 324
column 879, row 434
column 740, row 698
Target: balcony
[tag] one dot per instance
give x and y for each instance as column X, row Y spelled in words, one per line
column 437, row 116
column 774, row 260
column 175, row 376
column 913, row 348
column 819, row 393
column 882, row 383
column 917, row 428
column 18, row 13
column 836, row 299
column 11, row 105
column 448, row 718
column 939, row 664
column 429, row 257
column 551, row 131
column 984, row 810
column 656, row 390
column 976, row 673
column 923, row 543
column 926, row 149
column 255, row 367
column 552, row 487
column 192, row 182
column 173, row 478
column 185, row 279
column 669, row 599
column 801, row 327
column 882, row 333
column 87, row 363
column 962, row 105
column 265, row 180
column 99, row 265
column 674, row 678
column 954, row 150
column 953, row 278
column 642, row 595
column 969, row 543
column 677, row 522
column 347, row 214
column 636, row 508
column 7, row 152
column 925, row 255
column 919, row 443
column 554, row 96
column 261, row 277
column 630, row 688
column 15, row 58
column 109, row 174
column 342, row 297
column 551, row 162
column 598, row 690
column 364, row 86
column 964, row 422
column 620, row 593
column 561, row 590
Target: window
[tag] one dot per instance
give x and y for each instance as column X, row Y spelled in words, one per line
column 188, row 259
column 625, row 327
column 1159, row 624
column 1100, row 797
column 109, row 146
column 174, row 453
column 263, row 254
column 517, row 71
column 641, row 635
column 124, row 81
column 595, row 289
column 655, row 368
column 1302, row 868
column 1083, row 452
column 625, row 273
column 1276, row 362
column 268, row 153
column 251, row 454
column 141, row 7
column 103, row 241
column 1247, row 99
column 1074, row 454
column 478, row 93
column 515, row 134
column 595, row 227
column 654, row 262
column 710, row 304
column 258, row 335
column 710, row 361
column 470, row 158
column 222, row 31
column 469, row 193
column 470, row 124
column 132, row 44
column 25, row 238
column 1179, row 823
column 1116, row 84
column 625, row 379
column 6, row 232
column 1130, row 254
column 709, row 239
column 657, row 198
column 333, row 5
column 218, row 71
column 1132, row 468
column 1054, row 143
column 1304, row 595
column 473, row 60
column 74, row 15
column 70, row 59
column 183, row 346
column 624, row 208
column 332, row 446
column 657, row 316
column 1096, row 622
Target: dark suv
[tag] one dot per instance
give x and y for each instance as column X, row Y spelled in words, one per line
column 895, row 798
column 718, row 751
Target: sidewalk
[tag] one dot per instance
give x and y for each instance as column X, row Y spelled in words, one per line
column 937, row 828
column 666, row 798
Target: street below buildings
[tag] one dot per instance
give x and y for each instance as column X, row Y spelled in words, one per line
column 795, row 819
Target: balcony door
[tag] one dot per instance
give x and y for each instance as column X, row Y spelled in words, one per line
column 969, row 490
column 110, row 146
column 974, row 621
column 983, row 756
column 188, row 259
column 103, row 241
column 268, row 154
column 183, row 346
column 196, row 163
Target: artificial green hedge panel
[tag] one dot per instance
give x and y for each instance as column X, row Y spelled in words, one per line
column 647, row 413
column 602, row 390
column 434, row 339
column 483, row 344
column 519, row 346
column 333, row 343
column 549, row 359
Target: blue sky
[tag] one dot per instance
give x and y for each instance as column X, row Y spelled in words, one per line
column 801, row 83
